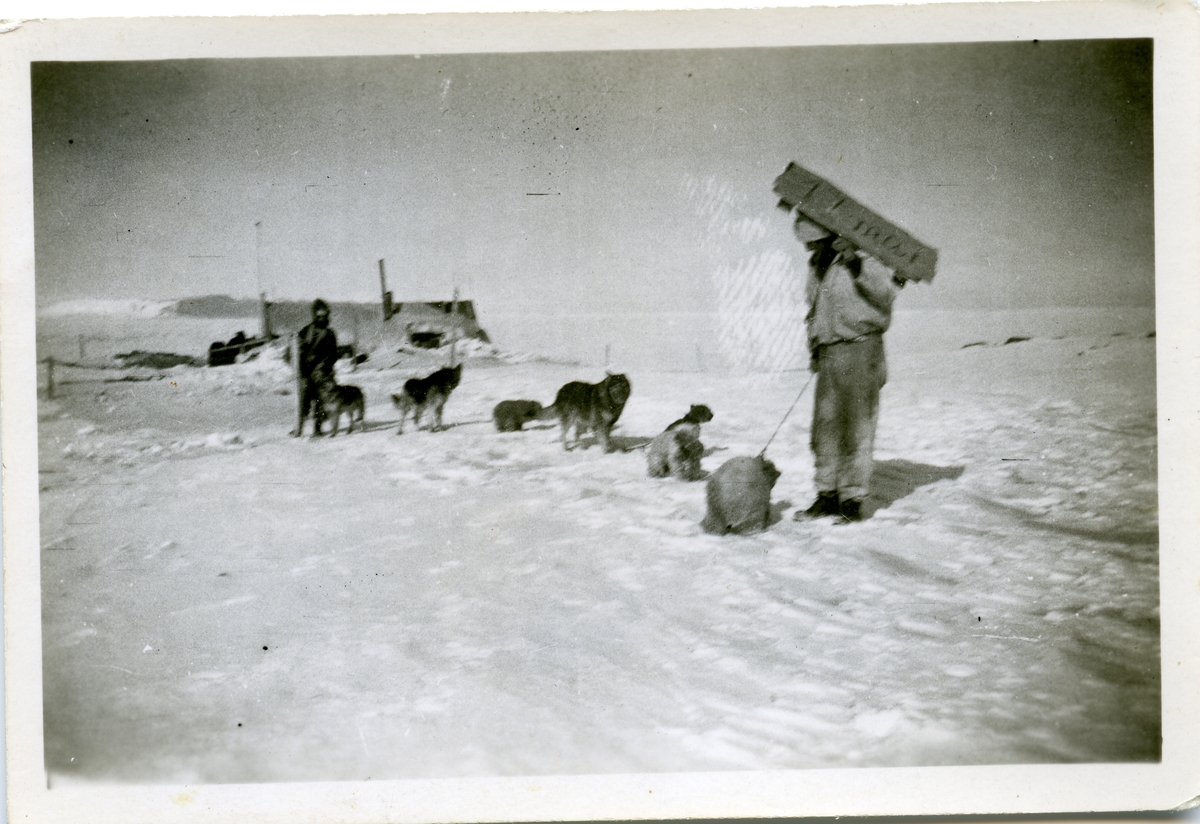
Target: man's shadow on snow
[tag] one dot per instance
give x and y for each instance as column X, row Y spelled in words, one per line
column 893, row 480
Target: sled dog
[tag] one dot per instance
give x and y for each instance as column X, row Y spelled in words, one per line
column 338, row 399
column 511, row 416
column 698, row 414
column 421, row 395
column 739, row 496
column 591, row 406
column 675, row 452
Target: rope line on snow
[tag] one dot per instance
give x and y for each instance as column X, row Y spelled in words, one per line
column 789, row 412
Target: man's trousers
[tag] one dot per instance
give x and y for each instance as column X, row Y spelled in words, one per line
column 845, row 411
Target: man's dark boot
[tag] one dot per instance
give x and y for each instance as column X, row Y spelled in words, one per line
column 826, row 504
column 851, row 511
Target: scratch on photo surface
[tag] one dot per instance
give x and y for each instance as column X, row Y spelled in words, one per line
column 362, row 738
column 113, row 666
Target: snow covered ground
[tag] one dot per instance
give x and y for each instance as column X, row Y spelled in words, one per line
column 223, row 603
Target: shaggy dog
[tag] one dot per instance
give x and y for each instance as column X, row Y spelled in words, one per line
column 510, row 416
column 739, row 496
column 423, row 394
column 338, row 399
column 591, row 406
column 675, row 452
column 697, row 415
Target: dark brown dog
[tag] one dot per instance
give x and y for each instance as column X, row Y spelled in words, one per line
column 739, row 496
column 511, row 416
column 591, row 406
column 338, row 399
column 421, row 395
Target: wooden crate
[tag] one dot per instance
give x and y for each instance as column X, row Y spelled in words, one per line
column 828, row 206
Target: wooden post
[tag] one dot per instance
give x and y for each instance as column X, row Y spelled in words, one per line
column 265, row 307
column 294, row 343
column 258, row 258
column 387, row 296
column 50, row 377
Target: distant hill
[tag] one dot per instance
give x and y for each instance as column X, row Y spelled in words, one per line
column 360, row 322
column 223, row 306
column 216, row 306
column 99, row 306
column 286, row 315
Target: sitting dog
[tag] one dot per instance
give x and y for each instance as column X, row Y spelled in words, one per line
column 511, row 416
column 675, row 452
column 337, row 399
column 591, row 406
column 423, row 394
column 739, row 496
column 698, row 414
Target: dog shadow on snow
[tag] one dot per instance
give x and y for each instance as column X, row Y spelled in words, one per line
column 776, row 510
column 393, row 423
column 893, row 480
column 628, row 443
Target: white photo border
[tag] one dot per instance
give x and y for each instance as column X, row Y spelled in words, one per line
column 1175, row 29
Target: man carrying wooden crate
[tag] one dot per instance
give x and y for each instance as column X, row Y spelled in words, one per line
column 850, row 296
column 858, row 263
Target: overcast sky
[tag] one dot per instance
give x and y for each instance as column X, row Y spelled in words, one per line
column 569, row 179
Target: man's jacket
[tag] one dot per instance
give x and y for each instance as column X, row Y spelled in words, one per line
column 318, row 351
column 843, row 307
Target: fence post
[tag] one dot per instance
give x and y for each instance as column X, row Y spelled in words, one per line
column 50, row 377
column 294, row 342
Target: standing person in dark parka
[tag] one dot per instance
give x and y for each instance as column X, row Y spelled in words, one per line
column 317, row 352
column 850, row 297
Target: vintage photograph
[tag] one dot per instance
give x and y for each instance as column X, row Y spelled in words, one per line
column 598, row 417
column 420, row 416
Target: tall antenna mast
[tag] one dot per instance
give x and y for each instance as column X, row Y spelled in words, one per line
column 258, row 257
column 264, row 307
